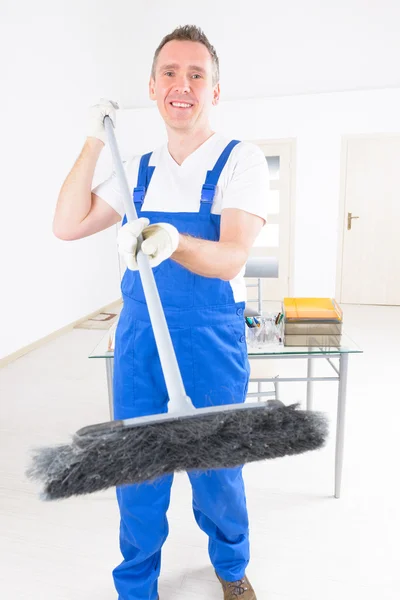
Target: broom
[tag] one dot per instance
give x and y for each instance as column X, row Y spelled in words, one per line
column 185, row 438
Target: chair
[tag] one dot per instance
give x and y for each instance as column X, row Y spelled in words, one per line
column 260, row 268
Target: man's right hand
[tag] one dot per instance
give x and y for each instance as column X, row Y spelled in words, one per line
column 97, row 113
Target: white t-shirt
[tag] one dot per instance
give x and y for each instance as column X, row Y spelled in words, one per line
column 243, row 184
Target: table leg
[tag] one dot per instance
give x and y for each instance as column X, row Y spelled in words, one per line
column 343, row 369
column 310, row 384
column 276, row 386
column 110, row 374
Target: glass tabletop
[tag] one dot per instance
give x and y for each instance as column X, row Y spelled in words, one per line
column 348, row 346
column 102, row 349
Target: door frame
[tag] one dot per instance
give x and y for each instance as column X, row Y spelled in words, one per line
column 290, row 145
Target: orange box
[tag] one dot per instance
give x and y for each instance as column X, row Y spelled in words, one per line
column 317, row 309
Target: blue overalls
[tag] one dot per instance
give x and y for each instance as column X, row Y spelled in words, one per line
column 207, row 330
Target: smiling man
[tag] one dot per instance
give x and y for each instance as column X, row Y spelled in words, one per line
column 201, row 201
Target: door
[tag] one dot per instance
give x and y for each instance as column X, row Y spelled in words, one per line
column 276, row 238
column 370, row 266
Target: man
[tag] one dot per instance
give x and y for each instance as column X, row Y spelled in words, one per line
column 201, row 202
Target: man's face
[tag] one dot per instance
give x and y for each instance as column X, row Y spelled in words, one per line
column 183, row 85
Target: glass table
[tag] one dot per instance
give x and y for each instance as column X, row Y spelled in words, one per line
column 279, row 351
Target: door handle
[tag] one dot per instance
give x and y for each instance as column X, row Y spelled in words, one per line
column 349, row 219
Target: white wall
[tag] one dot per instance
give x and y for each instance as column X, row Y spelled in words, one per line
column 58, row 58
column 49, row 78
column 318, row 123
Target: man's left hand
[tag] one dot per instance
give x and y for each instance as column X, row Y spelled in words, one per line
column 160, row 242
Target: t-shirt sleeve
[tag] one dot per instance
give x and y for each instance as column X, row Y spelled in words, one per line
column 109, row 190
column 248, row 188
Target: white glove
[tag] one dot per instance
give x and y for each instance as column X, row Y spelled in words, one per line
column 95, row 127
column 160, row 242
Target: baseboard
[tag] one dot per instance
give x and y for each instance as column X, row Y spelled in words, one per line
column 6, row 360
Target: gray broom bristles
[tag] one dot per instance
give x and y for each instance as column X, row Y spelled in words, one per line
column 126, row 455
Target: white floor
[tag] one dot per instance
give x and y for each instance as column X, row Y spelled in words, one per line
column 306, row 545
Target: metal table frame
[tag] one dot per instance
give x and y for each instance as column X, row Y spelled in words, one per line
column 341, row 378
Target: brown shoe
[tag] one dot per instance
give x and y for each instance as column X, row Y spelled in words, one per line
column 237, row 589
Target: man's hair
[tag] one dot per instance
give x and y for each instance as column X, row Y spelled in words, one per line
column 189, row 33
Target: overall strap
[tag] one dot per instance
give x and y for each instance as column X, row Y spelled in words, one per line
column 210, row 184
column 144, row 176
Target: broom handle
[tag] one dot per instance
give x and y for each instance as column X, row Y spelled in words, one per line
column 178, row 400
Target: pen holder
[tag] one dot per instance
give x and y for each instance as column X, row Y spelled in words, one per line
column 264, row 330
